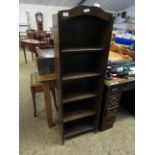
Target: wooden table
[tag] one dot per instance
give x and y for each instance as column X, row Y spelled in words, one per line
column 31, row 43
column 48, row 82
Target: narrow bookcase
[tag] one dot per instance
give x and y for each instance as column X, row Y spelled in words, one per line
column 81, row 40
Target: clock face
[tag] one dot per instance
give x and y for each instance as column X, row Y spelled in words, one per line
column 39, row 18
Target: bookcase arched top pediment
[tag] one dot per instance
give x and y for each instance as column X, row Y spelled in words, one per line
column 85, row 11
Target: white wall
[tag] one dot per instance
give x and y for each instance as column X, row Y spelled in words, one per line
column 130, row 11
column 47, row 11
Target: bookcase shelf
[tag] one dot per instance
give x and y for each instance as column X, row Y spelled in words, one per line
column 82, row 41
column 75, row 130
column 78, row 96
column 79, row 75
column 79, row 109
column 74, row 63
column 78, row 114
column 78, row 126
column 88, row 49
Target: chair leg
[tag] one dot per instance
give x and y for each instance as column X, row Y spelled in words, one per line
column 34, row 101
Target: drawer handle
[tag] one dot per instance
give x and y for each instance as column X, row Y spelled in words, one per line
column 126, row 86
column 114, row 89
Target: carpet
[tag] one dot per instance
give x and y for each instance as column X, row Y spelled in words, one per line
column 37, row 139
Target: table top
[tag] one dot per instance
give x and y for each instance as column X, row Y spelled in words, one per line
column 46, row 53
column 33, row 41
column 48, row 77
column 119, row 81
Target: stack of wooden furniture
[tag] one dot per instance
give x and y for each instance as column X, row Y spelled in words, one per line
column 82, row 38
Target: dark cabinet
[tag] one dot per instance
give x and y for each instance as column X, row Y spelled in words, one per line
column 82, row 38
column 114, row 95
column 110, row 105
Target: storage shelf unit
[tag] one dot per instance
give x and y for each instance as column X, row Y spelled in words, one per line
column 82, row 38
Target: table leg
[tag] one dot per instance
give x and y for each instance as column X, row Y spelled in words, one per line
column 48, row 105
column 32, row 55
column 25, row 54
column 33, row 52
column 52, row 87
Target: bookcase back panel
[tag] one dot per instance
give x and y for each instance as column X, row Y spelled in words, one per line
column 80, row 86
column 79, row 126
column 82, row 31
column 81, row 62
column 84, row 104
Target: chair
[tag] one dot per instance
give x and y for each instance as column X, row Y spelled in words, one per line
column 35, row 88
column 45, row 36
column 31, row 34
column 22, row 35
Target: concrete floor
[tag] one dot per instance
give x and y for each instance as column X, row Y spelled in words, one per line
column 37, row 139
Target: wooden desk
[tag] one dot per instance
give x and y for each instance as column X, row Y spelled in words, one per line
column 111, row 100
column 31, row 43
column 48, row 83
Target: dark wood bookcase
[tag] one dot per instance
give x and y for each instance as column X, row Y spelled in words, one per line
column 81, row 40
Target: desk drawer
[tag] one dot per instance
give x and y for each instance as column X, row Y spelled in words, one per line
column 128, row 86
column 111, row 111
column 114, row 89
column 107, row 122
column 113, row 100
